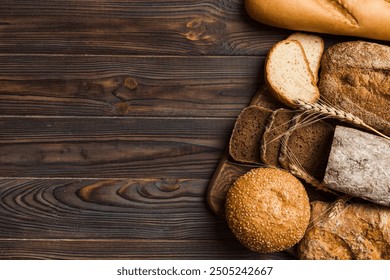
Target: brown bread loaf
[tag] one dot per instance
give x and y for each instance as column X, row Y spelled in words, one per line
column 355, row 78
column 346, row 231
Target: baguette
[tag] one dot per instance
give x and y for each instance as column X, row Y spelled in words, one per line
column 362, row 18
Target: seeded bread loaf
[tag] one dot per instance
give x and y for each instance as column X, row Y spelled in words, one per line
column 307, row 147
column 267, row 209
column 346, row 231
column 355, row 78
column 244, row 145
column 278, row 124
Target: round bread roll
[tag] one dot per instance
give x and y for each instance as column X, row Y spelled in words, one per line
column 267, row 210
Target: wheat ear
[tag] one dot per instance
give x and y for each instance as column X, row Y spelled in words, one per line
column 325, row 110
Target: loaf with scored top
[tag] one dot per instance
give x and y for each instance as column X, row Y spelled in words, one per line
column 362, row 18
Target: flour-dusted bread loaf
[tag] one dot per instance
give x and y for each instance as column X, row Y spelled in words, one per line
column 307, row 147
column 347, row 231
column 355, row 78
column 244, row 145
column 278, row 124
column 313, row 46
column 363, row 18
column 359, row 165
column 288, row 75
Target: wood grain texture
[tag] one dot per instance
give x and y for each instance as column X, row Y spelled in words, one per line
column 224, row 176
column 131, row 250
column 140, row 218
column 113, row 117
column 111, row 148
column 184, row 27
column 107, row 209
column 127, row 85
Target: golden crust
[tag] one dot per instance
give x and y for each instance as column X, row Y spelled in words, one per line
column 363, row 18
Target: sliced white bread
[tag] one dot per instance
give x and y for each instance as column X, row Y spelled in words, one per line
column 287, row 74
column 313, row 47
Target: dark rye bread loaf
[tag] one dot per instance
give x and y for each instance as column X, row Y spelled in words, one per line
column 278, row 124
column 245, row 142
column 307, row 147
column 355, row 77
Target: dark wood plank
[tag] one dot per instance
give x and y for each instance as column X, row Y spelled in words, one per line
column 127, row 86
column 137, row 218
column 111, row 147
column 105, row 209
column 131, row 249
column 181, row 27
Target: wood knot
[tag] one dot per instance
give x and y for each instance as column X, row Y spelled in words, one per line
column 207, row 29
column 121, row 108
column 131, row 83
column 168, row 185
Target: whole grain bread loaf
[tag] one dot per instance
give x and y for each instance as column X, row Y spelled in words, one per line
column 346, row 231
column 355, row 77
column 278, row 124
column 245, row 142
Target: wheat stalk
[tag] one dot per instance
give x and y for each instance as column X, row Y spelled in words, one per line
column 299, row 172
column 328, row 111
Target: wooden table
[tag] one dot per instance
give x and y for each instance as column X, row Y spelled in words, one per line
column 114, row 115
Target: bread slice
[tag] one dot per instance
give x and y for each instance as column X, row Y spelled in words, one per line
column 313, row 47
column 307, row 146
column 263, row 98
column 278, row 124
column 288, row 75
column 355, row 78
column 248, row 131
